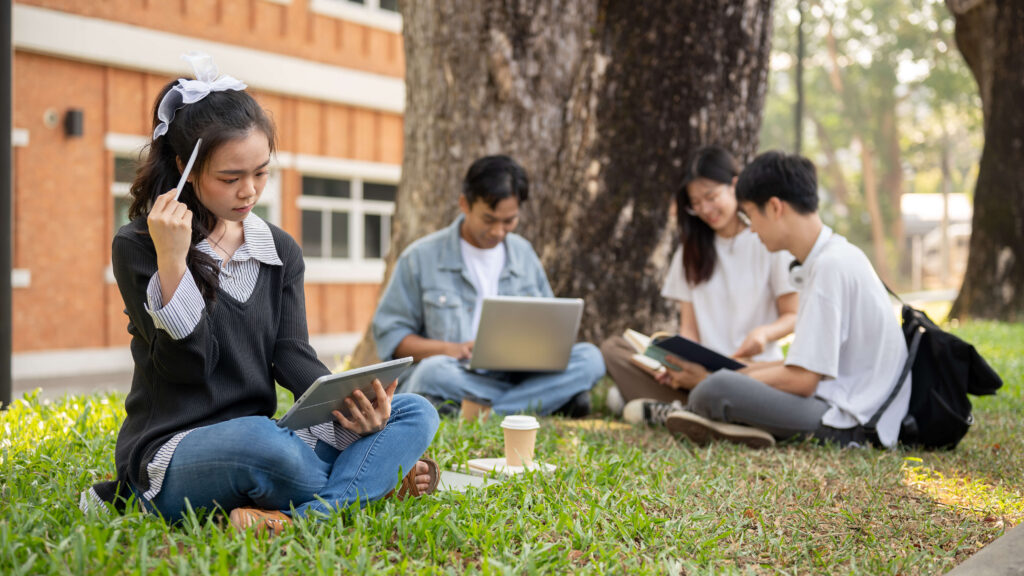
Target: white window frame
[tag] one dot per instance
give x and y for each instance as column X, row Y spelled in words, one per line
column 368, row 14
column 355, row 269
column 131, row 145
column 20, row 277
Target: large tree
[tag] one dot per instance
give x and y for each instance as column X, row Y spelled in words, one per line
column 601, row 101
column 990, row 35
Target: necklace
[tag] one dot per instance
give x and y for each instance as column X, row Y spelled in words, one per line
column 730, row 241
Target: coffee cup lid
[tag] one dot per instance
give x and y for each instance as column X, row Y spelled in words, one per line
column 517, row 422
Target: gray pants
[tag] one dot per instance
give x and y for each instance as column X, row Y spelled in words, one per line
column 632, row 381
column 729, row 396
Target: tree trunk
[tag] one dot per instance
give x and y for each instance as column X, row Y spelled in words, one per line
column 893, row 180
column 601, row 102
column 990, row 35
column 867, row 158
column 833, row 168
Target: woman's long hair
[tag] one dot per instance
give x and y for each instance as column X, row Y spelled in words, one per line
column 218, row 118
column 698, row 239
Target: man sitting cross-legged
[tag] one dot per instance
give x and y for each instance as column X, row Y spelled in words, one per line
column 847, row 352
column 431, row 307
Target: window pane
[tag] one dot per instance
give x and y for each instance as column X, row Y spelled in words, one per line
column 391, row 5
column 262, row 210
column 339, row 235
column 384, row 192
column 121, row 205
column 124, row 170
column 312, row 232
column 372, row 236
column 327, row 187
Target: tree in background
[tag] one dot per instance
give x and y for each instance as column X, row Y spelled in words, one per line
column 990, row 35
column 880, row 77
column 601, row 102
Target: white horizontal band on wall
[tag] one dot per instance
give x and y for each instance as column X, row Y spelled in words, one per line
column 327, row 166
column 369, row 14
column 323, row 271
column 125, row 46
column 124, row 143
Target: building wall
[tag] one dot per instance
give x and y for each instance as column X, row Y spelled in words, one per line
column 63, row 204
column 293, row 28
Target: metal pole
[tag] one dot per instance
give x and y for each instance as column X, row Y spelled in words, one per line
column 6, row 180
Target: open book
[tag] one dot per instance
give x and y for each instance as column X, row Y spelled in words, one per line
column 640, row 342
column 651, row 357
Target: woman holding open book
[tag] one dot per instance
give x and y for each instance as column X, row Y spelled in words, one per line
column 734, row 296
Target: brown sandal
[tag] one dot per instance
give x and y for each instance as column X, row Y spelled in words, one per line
column 409, row 488
column 260, row 521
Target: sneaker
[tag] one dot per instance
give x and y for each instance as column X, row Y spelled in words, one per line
column 649, row 411
column 271, row 522
column 577, row 407
column 613, row 401
column 702, row 431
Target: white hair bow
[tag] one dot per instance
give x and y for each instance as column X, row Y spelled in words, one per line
column 190, row 91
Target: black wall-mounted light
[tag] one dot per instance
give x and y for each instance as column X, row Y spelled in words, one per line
column 74, row 123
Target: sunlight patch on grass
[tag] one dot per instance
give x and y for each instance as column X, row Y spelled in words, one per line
column 593, row 424
column 991, row 503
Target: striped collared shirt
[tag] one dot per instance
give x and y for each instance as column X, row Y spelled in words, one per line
column 180, row 316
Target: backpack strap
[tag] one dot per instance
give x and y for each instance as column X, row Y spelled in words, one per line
column 891, row 293
column 915, row 343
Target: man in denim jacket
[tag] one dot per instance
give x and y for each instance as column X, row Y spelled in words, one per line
column 431, row 307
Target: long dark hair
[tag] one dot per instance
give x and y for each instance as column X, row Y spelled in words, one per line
column 699, row 258
column 218, row 118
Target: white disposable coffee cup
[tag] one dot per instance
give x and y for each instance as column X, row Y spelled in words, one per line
column 520, row 439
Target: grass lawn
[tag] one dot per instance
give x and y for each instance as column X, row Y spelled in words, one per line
column 623, row 500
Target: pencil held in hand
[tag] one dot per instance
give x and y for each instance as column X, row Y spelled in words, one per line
column 188, row 168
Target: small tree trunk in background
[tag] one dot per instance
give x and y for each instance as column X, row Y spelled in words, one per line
column 893, row 182
column 990, row 35
column 867, row 159
column 601, row 102
column 947, row 189
column 833, row 168
column 798, row 112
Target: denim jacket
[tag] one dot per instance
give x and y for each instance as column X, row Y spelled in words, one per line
column 430, row 293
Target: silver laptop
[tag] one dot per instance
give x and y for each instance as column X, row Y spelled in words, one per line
column 526, row 334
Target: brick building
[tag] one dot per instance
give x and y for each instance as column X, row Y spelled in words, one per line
column 86, row 74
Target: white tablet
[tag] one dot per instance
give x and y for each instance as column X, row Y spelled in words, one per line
column 329, row 392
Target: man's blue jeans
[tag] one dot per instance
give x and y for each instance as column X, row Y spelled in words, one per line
column 508, row 392
column 252, row 461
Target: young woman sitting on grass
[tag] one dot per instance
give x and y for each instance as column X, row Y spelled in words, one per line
column 215, row 301
column 734, row 296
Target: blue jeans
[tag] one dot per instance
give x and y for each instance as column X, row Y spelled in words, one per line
column 509, row 392
column 251, row 461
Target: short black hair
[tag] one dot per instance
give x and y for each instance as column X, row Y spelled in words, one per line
column 494, row 178
column 789, row 177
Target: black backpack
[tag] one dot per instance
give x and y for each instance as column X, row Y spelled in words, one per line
column 946, row 369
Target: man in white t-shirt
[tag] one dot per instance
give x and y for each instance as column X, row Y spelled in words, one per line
column 848, row 350
column 430, row 308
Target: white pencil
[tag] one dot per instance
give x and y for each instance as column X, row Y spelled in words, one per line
column 188, row 168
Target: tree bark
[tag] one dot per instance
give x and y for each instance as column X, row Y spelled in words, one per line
column 833, row 168
column 990, row 35
column 601, row 102
column 893, row 179
column 867, row 160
